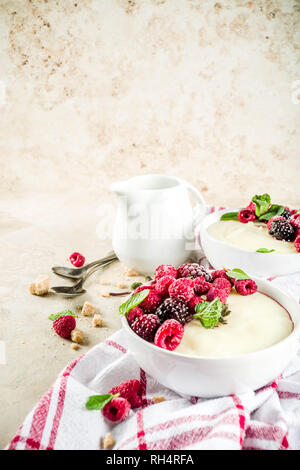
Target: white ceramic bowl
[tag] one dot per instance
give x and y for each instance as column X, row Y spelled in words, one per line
column 221, row 254
column 213, row 377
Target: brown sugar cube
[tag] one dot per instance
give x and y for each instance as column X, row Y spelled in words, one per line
column 131, row 272
column 88, row 309
column 74, row 346
column 158, row 398
column 97, row 320
column 108, row 441
column 77, row 335
column 105, row 294
column 121, row 285
column 40, row 286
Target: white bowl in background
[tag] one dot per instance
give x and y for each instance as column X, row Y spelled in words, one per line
column 212, row 377
column 221, row 254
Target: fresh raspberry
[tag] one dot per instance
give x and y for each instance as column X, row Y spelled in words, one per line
column 182, row 288
column 162, row 284
column 297, row 243
column 278, row 217
column 165, row 270
column 116, row 410
column 77, row 259
column 222, row 273
column 64, row 325
column 131, row 390
column 146, row 326
column 175, row 308
column 169, row 335
column 200, row 285
column 194, row 301
column 295, row 220
column 215, row 292
column 223, row 284
column 134, row 313
column 251, row 207
column 245, row 216
column 193, row 270
column 245, row 286
column 151, row 302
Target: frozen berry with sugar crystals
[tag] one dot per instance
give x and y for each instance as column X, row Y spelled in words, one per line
column 297, row 243
column 201, row 286
column 77, row 259
column 151, row 302
column 222, row 273
column 251, row 207
column 169, row 335
column 295, row 221
column 286, row 213
column 182, row 288
column 131, row 390
column 246, row 215
column 146, row 326
column 189, row 270
column 277, row 217
column 245, row 286
column 162, row 285
column 196, row 299
column 223, row 284
column 116, row 410
column 282, row 230
column 134, row 313
column 214, row 292
column 175, row 308
column 165, row 270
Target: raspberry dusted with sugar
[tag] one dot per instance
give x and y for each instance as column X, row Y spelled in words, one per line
column 200, row 285
column 182, row 288
column 193, row 270
column 174, row 308
column 278, row 217
column 297, row 243
column 295, row 220
column 64, row 325
column 223, row 284
column 222, row 273
column 165, row 270
column 116, row 410
column 245, row 286
column 77, row 259
column 169, row 335
column 194, row 301
column 214, row 292
column 131, row 390
column 246, row 215
column 162, row 284
column 134, row 313
column 146, row 326
column 151, row 302
column 251, row 207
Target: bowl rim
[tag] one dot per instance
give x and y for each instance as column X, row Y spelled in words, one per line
column 253, row 354
column 203, row 226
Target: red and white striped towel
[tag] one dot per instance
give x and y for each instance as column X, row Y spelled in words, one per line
column 268, row 418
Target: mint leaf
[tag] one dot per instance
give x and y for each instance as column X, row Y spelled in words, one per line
column 133, row 301
column 237, row 274
column 230, row 216
column 273, row 211
column 262, row 203
column 209, row 313
column 298, row 211
column 55, row 316
column 264, row 250
column 97, row 402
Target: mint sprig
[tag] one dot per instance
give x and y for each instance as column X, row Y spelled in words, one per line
column 273, row 211
column 97, row 402
column 237, row 274
column 209, row 313
column 262, row 203
column 264, row 250
column 133, row 301
column 55, row 316
column 230, row 216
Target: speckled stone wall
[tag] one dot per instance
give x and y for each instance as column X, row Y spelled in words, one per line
column 96, row 90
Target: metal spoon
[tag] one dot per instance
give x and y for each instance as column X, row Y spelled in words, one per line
column 76, row 289
column 77, row 273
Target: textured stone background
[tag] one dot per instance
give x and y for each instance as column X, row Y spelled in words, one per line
column 98, row 90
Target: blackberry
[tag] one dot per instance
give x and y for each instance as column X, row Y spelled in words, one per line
column 194, row 270
column 282, row 230
column 286, row 214
column 146, row 326
column 174, row 308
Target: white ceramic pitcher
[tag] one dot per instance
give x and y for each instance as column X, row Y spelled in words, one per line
column 155, row 221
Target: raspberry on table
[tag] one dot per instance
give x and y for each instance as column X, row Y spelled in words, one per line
column 295, row 220
column 163, row 283
column 278, row 217
column 182, row 288
column 131, row 390
column 175, row 308
column 146, row 326
column 282, row 230
column 169, row 335
column 165, row 270
column 245, row 286
column 116, row 410
column 134, row 313
column 214, row 292
column 77, row 259
column 297, row 243
column 193, row 270
column 223, row 284
column 201, row 286
column 194, row 301
column 63, row 326
column 151, row 302
column 246, row 215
